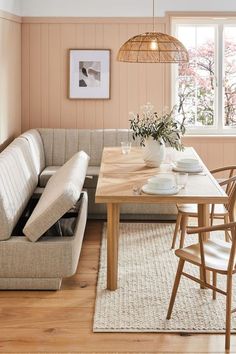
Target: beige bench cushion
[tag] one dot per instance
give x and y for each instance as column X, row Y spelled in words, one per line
column 90, row 182
column 36, row 147
column 61, row 193
column 18, row 179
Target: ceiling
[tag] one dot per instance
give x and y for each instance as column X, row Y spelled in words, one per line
column 111, row 8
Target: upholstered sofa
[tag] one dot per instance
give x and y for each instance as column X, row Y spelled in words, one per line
column 25, row 264
column 60, row 144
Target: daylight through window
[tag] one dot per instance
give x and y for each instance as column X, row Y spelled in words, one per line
column 204, row 89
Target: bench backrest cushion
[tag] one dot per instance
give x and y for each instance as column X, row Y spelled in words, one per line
column 61, row 193
column 36, row 146
column 61, row 144
column 18, row 179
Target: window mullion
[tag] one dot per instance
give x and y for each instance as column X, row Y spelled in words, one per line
column 220, row 77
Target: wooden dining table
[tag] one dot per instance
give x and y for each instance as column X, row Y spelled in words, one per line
column 120, row 180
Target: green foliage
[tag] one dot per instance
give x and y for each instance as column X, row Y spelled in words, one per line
column 163, row 128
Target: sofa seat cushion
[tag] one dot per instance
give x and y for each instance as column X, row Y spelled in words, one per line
column 46, row 174
column 61, row 193
column 90, row 182
column 18, row 179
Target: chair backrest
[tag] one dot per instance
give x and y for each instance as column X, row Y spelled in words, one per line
column 225, row 172
column 230, row 185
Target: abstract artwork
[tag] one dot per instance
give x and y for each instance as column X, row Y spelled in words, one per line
column 89, row 74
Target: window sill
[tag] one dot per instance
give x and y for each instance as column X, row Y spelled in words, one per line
column 209, row 136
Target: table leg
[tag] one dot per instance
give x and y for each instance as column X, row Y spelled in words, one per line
column 113, row 218
column 204, row 220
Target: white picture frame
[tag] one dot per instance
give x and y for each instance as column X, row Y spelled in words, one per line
column 89, row 73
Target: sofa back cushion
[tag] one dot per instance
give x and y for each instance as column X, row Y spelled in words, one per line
column 61, row 193
column 18, row 179
column 36, row 147
column 61, row 144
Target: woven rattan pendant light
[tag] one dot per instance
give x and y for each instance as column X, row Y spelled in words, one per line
column 153, row 47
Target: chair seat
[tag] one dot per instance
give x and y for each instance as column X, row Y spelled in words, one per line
column 191, row 209
column 216, row 255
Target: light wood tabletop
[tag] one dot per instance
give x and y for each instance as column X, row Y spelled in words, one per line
column 121, row 175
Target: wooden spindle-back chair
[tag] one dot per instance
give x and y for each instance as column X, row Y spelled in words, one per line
column 215, row 256
column 218, row 211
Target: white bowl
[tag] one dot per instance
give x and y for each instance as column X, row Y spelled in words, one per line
column 161, row 182
column 187, row 163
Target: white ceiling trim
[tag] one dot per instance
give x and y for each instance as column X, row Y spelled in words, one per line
column 110, row 8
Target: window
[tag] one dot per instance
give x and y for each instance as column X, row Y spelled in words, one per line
column 204, row 89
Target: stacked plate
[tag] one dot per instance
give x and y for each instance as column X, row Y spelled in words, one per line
column 161, row 184
column 188, row 165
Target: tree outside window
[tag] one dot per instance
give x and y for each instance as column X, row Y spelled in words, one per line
column 205, row 88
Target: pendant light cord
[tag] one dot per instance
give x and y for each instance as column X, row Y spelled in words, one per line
column 153, row 14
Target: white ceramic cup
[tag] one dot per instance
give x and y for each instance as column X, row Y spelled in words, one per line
column 125, row 147
column 188, row 163
column 161, row 182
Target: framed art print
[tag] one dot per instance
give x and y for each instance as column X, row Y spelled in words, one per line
column 89, row 76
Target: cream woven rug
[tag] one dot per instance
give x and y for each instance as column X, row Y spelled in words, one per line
column 147, row 269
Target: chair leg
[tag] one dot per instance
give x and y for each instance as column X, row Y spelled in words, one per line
column 175, row 287
column 184, row 224
column 214, row 283
column 228, row 312
column 177, row 225
column 228, row 237
column 212, row 216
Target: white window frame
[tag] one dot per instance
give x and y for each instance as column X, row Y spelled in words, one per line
column 218, row 22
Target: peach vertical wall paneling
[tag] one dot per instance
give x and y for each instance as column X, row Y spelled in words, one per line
column 10, row 77
column 35, row 86
column 45, row 44
column 44, row 54
column 133, row 81
column 123, row 79
column 215, row 151
column 25, row 95
column 55, row 75
column 111, row 107
column 68, row 107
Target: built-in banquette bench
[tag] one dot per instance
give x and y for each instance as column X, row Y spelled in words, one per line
column 50, row 166
column 60, row 144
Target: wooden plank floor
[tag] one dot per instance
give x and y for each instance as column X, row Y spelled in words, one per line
column 61, row 321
